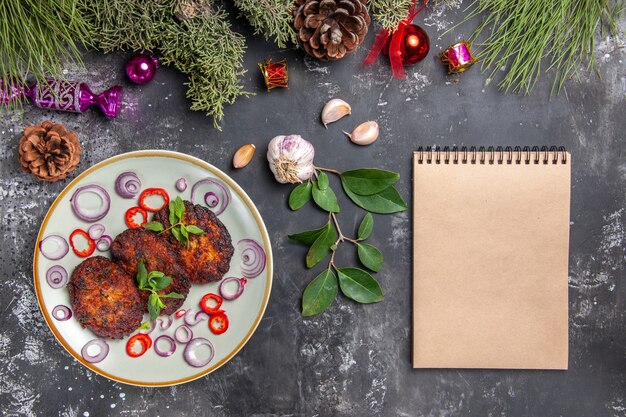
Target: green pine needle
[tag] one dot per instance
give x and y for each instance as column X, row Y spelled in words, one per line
column 524, row 36
column 389, row 12
column 271, row 18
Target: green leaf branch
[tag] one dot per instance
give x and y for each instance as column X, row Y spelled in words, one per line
column 154, row 281
column 179, row 230
column 374, row 191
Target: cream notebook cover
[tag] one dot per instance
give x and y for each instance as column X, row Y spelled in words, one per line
column 490, row 258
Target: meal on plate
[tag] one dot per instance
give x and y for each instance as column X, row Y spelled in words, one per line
column 152, row 267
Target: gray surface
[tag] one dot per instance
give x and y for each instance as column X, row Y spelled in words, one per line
column 353, row 359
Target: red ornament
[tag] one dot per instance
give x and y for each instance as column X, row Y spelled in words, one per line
column 275, row 74
column 414, row 45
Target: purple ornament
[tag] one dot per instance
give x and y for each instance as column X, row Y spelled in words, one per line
column 67, row 96
column 141, row 68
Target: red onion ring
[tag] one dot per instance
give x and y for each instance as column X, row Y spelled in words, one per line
column 99, row 357
column 183, row 334
column 217, row 199
column 87, row 215
column 104, row 243
column 164, row 353
column 190, row 352
column 96, row 231
column 181, row 184
column 165, row 324
column 149, row 329
column 56, row 276
column 192, row 318
column 232, row 296
column 253, row 258
column 127, row 185
column 60, row 250
column 61, row 313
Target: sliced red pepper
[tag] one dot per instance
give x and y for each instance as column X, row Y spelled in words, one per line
column 206, row 303
column 144, row 340
column 91, row 244
column 130, row 217
column 180, row 313
column 148, row 192
column 218, row 323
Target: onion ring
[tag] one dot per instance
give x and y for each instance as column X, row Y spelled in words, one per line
column 164, row 353
column 217, row 198
column 183, row 334
column 181, row 184
column 253, row 258
column 190, row 352
column 104, row 243
column 96, row 231
column 60, row 250
column 91, row 215
column 165, row 324
column 241, row 282
column 99, row 357
column 56, row 276
column 127, row 185
column 61, row 313
column 192, row 318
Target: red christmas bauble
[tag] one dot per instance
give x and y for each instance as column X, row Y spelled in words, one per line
column 414, row 46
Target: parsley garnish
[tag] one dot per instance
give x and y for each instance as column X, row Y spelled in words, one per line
column 154, row 281
column 179, row 230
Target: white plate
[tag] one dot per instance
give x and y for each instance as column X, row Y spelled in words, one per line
column 241, row 218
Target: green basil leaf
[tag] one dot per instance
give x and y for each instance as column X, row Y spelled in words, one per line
column 326, row 199
column 173, row 295
column 366, row 227
column 320, row 248
column 156, row 274
column 308, row 236
column 183, row 231
column 153, row 306
column 359, row 285
column 142, row 275
column 300, row 195
column 177, row 235
column 194, row 230
column 179, row 208
column 162, row 282
column 144, row 325
column 172, row 216
column 320, row 293
column 154, row 226
column 322, row 181
column 386, row 202
column 160, row 303
column 370, row 256
column 368, row 181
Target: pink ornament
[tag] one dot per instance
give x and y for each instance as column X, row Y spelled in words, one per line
column 141, row 68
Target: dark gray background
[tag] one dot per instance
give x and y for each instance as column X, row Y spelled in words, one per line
column 353, row 359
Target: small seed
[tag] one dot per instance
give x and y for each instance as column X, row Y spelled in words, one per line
column 364, row 134
column 243, row 156
column 334, row 110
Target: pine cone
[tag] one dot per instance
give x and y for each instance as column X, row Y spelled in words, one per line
column 49, row 151
column 331, row 29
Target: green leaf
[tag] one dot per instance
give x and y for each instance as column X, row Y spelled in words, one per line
column 142, row 275
column 153, row 306
column 322, row 181
column 320, row 293
column 386, row 202
column 172, row 217
column 300, row 195
column 172, row 295
column 162, row 282
column 321, row 247
column 183, row 231
column 194, row 230
column 176, row 233
column 359, row 285
column 155, row 274
column 370, row 256
column 326, row 199
column 368, row 181
column 154, row 226
column 308, row 236
column 160, row 303
column 366, row 227
column 144, row 325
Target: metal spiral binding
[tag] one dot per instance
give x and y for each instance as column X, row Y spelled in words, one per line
column 492, row 155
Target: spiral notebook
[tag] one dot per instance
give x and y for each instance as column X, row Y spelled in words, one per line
column 490, row 258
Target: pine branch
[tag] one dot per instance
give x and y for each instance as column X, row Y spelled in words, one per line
column 271, row 18
column 388, row 12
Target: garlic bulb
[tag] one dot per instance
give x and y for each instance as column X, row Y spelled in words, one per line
column 334, row 110
column 364, row 134
column 291, row 158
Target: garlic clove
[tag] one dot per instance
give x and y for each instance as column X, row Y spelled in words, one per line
column 243, row 156
column 364, row 134
column 334, row 110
